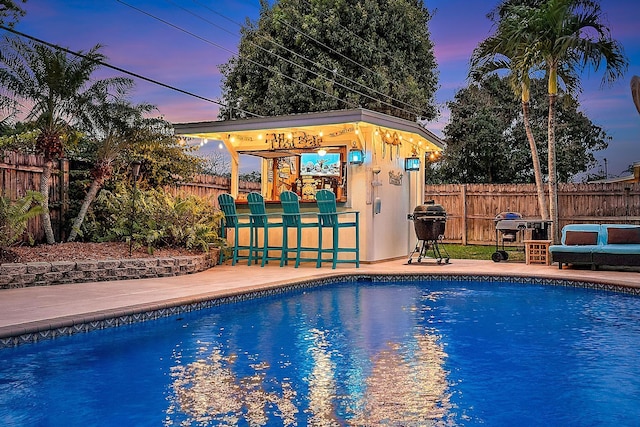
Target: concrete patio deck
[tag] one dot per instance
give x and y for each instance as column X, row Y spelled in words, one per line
column 25, row 308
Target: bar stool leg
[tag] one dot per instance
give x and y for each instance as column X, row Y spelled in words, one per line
column 335, row 246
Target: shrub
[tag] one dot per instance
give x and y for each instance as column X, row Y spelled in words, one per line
column 158, row 219
column 14, row 216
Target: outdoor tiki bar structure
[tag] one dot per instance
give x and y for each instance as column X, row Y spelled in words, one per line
column 373, row 163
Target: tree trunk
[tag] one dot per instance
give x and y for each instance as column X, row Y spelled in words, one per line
column 45, row 182
column 542, row 200
column 96, row 184
column 553, row 179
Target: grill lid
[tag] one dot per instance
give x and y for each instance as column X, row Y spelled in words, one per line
column 508, row 215
column 430, row 208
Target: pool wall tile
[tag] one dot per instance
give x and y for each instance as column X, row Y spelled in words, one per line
column 39, row 331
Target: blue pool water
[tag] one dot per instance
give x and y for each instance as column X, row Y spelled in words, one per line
column 352, row 354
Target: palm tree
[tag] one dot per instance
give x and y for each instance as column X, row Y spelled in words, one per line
column 499, row 52
column 567, row 36
column 10, row 11
column 115, row 127
column 54, row 90
column 635, row 91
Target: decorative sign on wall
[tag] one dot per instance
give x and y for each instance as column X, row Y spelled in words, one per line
column 281, row 141
column 395, row 177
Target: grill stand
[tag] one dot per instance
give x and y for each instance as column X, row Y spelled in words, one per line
column 501, row 254
column 509, row 225
column 429, row 221
column 422, row 248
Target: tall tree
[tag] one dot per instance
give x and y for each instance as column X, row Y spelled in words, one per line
column 478, row 147
column 54, row 90
column 567, row 36
column 314, row 55
column 486, row 137
column 495, row 53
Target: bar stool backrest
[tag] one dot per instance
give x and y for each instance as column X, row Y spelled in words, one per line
column 228, row 207
column 257, row 209
column 327, row 207
column 290, row 202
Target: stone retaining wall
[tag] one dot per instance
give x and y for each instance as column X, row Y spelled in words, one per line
column 20, row 275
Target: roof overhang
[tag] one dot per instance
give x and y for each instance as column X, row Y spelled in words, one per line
column 338, row 127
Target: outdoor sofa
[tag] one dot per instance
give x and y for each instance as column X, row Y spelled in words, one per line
column 598, row 244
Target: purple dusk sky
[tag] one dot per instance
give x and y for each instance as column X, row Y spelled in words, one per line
column 142, row 44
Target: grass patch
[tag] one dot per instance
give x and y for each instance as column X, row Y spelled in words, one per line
column 482, row 252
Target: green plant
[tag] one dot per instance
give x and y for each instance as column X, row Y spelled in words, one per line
column 158, row 219
column 14, row 216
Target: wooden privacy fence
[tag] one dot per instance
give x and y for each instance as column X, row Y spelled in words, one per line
column 471, row 208
column 209, row 187
column 20, row 173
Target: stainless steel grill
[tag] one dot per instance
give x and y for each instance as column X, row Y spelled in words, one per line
column 509, row 225
column 429, row 222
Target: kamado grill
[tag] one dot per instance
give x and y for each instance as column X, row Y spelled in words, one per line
column 509, row 224
column 429, row 221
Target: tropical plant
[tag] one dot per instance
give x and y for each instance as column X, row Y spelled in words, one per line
column 14, row 216
column 10, row 9
column 566, row 36
column 55, row 90
column 495, row 53
column 19, row 136
column 165, row 160
column 115, row 127
column 161, row 219
column 317, row 55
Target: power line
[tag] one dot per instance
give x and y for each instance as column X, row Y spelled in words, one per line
column 302, row 67
column 235, row 54
column 270, row 40
column 122, row 70
column 364, row 67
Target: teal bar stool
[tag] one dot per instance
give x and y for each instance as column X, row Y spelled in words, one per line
column 233, row 220
column 293, row 218
column 260, row 220
column 329, row 217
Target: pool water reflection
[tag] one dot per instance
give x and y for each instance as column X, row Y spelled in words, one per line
column 441, row 353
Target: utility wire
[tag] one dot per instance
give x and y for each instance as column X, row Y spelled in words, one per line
column 300, row 66
column 351, row 104
column 270, row 40
column 271, row 53
column 122, row 70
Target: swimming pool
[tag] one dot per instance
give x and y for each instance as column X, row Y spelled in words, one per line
column 406, row 353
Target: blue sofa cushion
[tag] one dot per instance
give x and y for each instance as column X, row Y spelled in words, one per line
column 581, row 238
column 582, row 249
column 618, row 249
column 623, row 235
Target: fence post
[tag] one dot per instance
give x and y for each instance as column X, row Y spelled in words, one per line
column 463, row 196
